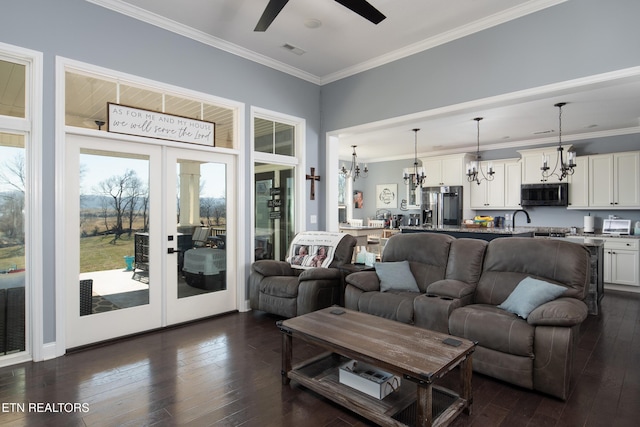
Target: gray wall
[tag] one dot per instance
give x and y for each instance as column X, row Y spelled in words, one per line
column 575, row 39
column 81, row 31
column 382, row 173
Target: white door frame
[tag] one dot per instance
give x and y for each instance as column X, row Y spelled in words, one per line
column 57, row 348
column 297, row 161
column 177, row 310
column 31, row 128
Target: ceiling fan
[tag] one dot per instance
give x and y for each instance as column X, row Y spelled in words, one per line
column 361, row 7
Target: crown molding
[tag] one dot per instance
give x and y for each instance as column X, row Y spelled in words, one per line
column 446, row 37
column 181, row 29
column 202, row 37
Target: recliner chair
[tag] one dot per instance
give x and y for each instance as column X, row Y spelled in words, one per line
column 276, row 287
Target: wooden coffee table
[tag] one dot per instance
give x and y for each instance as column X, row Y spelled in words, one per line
column 418, row 355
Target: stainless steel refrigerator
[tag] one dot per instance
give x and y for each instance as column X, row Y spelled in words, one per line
column 441, row 206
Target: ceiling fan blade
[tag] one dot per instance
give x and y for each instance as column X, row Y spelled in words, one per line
column 271, row 11
column 364, row 9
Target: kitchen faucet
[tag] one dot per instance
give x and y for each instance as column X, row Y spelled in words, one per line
column 513, row 217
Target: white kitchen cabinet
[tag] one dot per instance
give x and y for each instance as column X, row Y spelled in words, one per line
column 622, row 261
column 488, row 194
column 614, row 180
column 532, row 162
column 445, row 170
column 579, row 184
column 501, row 193
column 513, row 183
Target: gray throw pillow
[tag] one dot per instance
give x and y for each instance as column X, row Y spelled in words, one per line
column 396, row 276
column 529, row 295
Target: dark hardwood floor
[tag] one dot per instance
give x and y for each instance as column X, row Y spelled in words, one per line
column 226, row 372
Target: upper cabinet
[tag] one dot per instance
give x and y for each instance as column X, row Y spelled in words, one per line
column 513, row 182
column 532, row 162
column 614, row 180
column 579, row 184
column 445, row 170
column 503, row 192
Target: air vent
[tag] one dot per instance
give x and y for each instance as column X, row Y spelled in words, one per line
column 294, row 49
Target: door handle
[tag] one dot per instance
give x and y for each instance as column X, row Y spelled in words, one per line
column 171, row 250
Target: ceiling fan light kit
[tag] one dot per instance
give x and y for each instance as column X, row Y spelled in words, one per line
column 361, row 7
column 565, row 169
column 474, row 169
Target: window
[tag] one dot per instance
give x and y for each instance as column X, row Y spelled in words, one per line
column 87, row 96
column 277, row 178
column 273, row 137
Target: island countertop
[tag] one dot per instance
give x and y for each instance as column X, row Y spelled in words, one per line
column 463, row 229
column 485, row 233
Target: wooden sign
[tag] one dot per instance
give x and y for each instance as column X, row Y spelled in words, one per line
column 151, row 124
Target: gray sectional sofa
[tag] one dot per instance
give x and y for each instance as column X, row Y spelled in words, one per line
column 466, row 287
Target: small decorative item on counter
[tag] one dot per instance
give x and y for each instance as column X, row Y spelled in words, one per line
column 484, row 221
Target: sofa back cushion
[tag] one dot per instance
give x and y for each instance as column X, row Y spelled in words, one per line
column 509, row 260
column 427, row 254
column 465, row 260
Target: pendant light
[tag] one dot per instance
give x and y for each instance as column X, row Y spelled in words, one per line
column 354, row 171
column 474, row 169
column 415, row 175
column 565, row 169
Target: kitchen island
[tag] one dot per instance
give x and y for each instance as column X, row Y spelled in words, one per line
column 485, row 233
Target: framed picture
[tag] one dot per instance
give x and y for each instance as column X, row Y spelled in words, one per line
column 358, row 199
column 387, row 196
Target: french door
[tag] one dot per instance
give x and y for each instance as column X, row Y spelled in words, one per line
column 132, row 211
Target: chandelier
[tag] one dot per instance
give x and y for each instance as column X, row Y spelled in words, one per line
column 354, row 171
column 415, row 175
column 474, row 169
column 565, row 169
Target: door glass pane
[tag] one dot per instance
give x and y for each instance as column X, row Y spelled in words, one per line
column 12, row 243
column 274, row 211
column 12, row 95
column 114, row 225
column 201, row 205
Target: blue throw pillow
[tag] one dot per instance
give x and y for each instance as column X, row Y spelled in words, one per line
column 529, row 295
column 396, row 276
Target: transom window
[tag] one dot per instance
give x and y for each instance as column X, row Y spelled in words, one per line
column 87, row 96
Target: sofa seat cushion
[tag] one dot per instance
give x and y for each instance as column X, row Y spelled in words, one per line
column 393, row 305
column 493, row 328
column 280, row 286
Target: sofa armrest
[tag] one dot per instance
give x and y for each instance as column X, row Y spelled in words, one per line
column 320, row 274
column 366, row 281
column 450, row 288
column 270, row 267
column 559, row 312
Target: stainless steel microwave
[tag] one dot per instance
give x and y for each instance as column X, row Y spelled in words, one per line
column 544, row 194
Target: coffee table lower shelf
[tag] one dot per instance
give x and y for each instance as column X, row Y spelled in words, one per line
column 320, row 374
